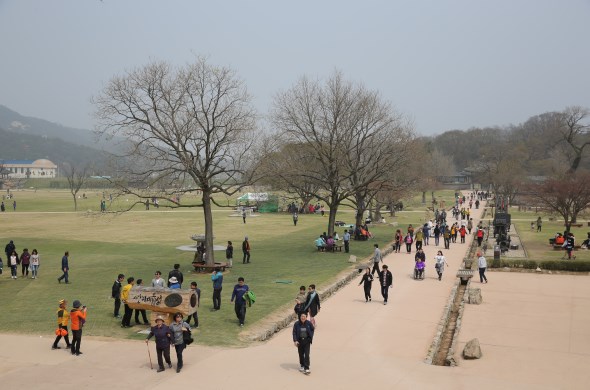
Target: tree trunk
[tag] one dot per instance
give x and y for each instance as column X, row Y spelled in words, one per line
column 75, row 202
column 423, row 197
column 332, row 219
column 378, row 211
column 575, row 163
column 208, row 226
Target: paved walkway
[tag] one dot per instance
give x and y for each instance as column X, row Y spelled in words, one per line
column 534, row 331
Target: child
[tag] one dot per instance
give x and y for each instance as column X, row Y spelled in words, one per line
column 195, row 315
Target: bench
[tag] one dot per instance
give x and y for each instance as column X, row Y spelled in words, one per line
column 334, row 248
column 579, row 225
column 208, row 268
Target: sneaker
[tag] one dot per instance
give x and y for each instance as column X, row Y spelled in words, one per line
column 160, row 369
column 241, row 325
column 177, row 370
column 301, row 369
column 79, row 353
column 307, row 371
column 385, row 302
column 54, row 347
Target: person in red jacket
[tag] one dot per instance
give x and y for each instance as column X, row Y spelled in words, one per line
column 77, row 318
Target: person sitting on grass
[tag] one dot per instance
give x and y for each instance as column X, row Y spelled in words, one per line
column 330, row 243
column 559, row 239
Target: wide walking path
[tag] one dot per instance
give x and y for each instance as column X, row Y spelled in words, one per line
column 533, row 330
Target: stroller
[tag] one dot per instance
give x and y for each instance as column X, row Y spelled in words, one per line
column 419, row 270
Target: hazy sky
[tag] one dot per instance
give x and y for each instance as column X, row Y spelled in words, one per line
column 447, row 64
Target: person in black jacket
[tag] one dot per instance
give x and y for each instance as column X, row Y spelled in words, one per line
column 176, row 273
column 312, row 303
column 302, row 338
column 229, row 254
column 116, row 294
column 367, row 282
column 385, row 281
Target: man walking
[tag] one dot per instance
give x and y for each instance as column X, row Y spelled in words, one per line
column 385, row 281
column 346, row 239
column 116, row 294
column 238, row 294
column 482, row 265
column 246, row 250
column 302, row 338
column 217, row 279
column 377, row 258
column 295, row 218
column 64, row 267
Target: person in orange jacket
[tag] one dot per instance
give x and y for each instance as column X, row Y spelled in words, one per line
column 63, row 317
column 78, row 318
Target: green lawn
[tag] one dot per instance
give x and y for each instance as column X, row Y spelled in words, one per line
column 139, row 242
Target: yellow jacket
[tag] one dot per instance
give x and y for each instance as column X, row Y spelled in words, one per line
column 63, row 317
column 125, row 292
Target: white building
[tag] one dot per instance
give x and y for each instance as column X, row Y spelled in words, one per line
column 20, row 169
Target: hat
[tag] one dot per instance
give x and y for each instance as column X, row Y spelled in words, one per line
column 173, row 280
column 77, row 304
column 160, row 318
column 62, row 301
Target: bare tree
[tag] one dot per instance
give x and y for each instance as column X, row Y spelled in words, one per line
column 190, row 128
column 77, row 176
column 567, row 196
column 336, row 122
column 575, row 133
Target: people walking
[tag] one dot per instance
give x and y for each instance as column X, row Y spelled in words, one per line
column 65, row 267
column 240, row 303
column 302, row 338
column 78, row 318
column 35, row 264
column 479, row 235
column 163, row 339
column 116, row 294
column 312, row 303
column 385, row 282
column 398, row 241
column 25, row 261
column 177, row 330
column 63, row 318
column 246, row 250
column 217, row 279
column 377, row 258
column 482, row 265
column 229, row 254
column 244, row 215
column 367, row 282
column 439, row 264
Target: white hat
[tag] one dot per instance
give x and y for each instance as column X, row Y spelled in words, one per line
column 173, row 280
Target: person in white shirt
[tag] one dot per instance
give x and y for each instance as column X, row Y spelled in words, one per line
column 482, row 264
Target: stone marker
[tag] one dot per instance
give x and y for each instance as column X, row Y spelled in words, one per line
column 474, row 296
column 163, row 300
column 472, row 350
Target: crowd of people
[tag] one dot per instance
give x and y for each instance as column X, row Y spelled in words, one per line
column 29, row 262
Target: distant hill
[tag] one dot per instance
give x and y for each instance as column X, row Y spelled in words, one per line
column 28, row 138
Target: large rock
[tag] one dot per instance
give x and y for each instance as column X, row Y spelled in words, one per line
column 474, row 296
column 472, row 350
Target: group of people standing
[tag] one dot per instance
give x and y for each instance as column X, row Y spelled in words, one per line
column 29, row 262
column 77, row 317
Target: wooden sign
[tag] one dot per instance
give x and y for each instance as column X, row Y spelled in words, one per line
column 163, row 300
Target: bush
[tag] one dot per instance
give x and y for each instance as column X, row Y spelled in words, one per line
column 553, row 265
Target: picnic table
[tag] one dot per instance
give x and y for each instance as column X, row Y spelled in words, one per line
column 202, row 267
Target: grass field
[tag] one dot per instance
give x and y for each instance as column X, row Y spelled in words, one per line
column 140, row 242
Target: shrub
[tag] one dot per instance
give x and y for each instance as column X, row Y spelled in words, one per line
column 553, row 265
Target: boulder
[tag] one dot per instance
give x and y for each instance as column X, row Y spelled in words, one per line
column 472, row 350
column 474, row 296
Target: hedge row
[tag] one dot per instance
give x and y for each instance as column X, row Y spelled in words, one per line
column 555, row 265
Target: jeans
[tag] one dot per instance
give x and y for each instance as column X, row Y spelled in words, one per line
column 64, row 276
column 482, row 275
column 346, row 246
column 179, row 348
column 408, row 247
column 117, row 306
column 217, row 298
column 13, row 271
column 246, row 257
column 34, row 270
column 385, row 292
column 127, row 316
column 436, row 240
column 240, row 310
column 375, row 268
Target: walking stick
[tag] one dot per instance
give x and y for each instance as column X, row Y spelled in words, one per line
column 150, row 355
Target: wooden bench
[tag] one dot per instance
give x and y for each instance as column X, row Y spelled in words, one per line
column 579, row 225
column 208, row 268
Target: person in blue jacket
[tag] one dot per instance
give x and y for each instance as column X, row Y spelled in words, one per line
column 302, row 338
column 217, row 279
column 240, row 303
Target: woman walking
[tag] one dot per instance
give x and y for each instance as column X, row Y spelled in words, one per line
column 25, row 261
column 367, row 282
column 13, row 262
column 177, row 328
column 398, row 241
column 408, row 240
column 440, row 264
column 34, row 264
column 229, row 254
column 162, row 333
